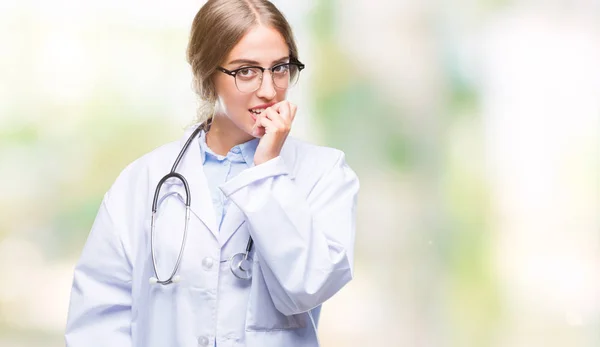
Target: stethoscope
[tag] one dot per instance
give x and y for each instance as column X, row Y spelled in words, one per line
column 240, row 263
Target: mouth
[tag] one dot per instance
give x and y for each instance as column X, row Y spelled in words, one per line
column 257, row 110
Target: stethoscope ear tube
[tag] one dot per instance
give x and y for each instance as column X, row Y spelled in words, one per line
column 188, row 198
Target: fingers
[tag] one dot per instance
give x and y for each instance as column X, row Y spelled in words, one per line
column 275, row 120
column 286, row 109
column 283, row 108
column 255, row 129
column 265, row 122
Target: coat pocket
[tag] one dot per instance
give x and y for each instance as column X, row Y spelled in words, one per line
column 262, row 314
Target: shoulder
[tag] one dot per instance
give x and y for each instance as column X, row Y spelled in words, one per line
column 306, row 159
column 301, row 150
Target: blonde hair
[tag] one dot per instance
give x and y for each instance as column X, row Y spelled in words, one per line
column 218, row 26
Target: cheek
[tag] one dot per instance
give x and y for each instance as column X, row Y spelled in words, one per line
column 230, row 98
column 235, row 105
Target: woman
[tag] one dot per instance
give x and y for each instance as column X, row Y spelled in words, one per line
column 269, row 232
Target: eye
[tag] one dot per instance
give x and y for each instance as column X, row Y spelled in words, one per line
column 247, row 73
column 281, row 69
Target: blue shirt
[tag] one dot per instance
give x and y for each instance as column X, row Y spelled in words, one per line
column 220, row 169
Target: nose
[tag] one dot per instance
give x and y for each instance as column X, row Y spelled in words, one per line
column 267, row 87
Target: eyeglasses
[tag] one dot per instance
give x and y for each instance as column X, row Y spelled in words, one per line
column 248, row 79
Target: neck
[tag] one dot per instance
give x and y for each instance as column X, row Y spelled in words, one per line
column 224, row 135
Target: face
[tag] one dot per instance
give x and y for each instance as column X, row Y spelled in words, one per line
column 260, row 46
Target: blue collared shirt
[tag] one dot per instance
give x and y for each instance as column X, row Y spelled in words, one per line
column 220, row 169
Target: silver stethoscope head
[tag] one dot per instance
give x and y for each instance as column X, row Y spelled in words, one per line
column 241, row 266
column 241, row 263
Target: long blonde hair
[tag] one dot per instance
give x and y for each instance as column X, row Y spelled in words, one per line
column 218, row 26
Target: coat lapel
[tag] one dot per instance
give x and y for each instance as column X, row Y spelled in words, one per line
column 233, row 220
column 190, row 167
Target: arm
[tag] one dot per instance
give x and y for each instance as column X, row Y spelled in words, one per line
column 305, row 244
column 100, row 304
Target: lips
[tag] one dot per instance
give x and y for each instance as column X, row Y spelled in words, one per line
column 256, row 110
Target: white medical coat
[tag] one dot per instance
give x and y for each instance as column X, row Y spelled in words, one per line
column 300, row 210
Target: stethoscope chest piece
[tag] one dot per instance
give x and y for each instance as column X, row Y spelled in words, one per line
column 241, row 266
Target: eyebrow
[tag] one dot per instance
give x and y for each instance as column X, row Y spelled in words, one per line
column 254, row 62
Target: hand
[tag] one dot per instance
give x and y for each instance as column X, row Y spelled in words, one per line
column 273, row 126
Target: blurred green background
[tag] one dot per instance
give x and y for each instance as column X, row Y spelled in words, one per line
column 474, row 127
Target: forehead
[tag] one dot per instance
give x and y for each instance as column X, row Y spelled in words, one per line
column 262, row 44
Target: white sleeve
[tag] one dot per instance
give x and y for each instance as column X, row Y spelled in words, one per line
column 305, row 244
column 100, row 304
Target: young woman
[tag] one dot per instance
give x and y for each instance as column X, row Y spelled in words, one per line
column 234, row 235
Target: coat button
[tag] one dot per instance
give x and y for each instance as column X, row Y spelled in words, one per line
column 207, row 263
column 203, row 341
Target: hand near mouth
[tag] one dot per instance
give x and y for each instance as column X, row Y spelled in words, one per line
column 273, row 126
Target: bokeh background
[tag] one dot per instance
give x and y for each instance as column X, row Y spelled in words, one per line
column 474, row 127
